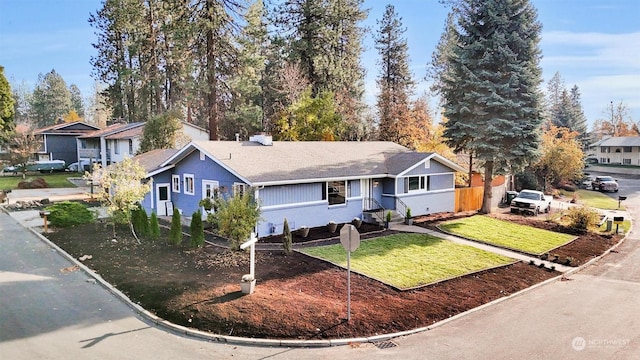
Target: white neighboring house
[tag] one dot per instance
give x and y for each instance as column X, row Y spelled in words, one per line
column 119, row 141
column 624, row 150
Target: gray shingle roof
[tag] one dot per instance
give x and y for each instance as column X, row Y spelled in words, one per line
column 621, row 141
column 151, row 160
column 307, row 160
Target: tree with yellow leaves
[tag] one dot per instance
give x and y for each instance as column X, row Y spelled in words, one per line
column 562, row 156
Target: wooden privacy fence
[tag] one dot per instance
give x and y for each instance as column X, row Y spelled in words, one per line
column 469, row 198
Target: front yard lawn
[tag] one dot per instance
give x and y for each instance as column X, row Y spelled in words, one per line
column 509, row 235
column 410, row 260
column 595, row 199
column 54, row 180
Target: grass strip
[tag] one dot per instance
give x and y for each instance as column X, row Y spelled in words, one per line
column 506, row 234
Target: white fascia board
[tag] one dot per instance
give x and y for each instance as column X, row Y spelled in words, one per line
column 316, row 180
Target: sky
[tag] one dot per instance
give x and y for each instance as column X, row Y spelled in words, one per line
column 594, row 44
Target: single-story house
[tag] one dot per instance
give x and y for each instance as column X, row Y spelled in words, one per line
column 623, row 150
column 309, row 183
column 58, row 142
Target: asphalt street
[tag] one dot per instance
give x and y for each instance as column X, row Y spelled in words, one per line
column 51, row 310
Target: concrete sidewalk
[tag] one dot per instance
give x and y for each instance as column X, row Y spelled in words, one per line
column 53, row 194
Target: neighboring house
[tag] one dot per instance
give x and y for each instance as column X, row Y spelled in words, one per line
column 623, row 150
column 59, row 141
column 121, row 140
column 309, row 183
column 111, row 144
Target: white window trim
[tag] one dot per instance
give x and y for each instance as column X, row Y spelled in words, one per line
column 175, row 183
column 237, row 185
column 193, row 184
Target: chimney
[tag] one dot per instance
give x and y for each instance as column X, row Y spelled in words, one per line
column 262, row 138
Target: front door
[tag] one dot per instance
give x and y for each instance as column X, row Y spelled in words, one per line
column 209, row 188
column 163, row 199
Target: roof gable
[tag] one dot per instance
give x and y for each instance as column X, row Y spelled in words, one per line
column 72, row 128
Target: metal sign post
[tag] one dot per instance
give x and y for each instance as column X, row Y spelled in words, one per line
column 350, row 240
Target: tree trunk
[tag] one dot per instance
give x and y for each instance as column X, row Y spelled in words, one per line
column 486, row 196
column 212, row 101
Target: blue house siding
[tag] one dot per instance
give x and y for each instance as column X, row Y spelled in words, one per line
column 434, row 168
column 290, row 194
column 429, row 203
column 307, row 214
column 205, row 169
column 62, row 147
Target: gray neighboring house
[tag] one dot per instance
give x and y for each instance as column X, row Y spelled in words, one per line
column 624, row 150
column 59, row 141
column 309, row 183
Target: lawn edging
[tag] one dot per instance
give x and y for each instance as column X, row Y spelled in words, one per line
column 149, row 317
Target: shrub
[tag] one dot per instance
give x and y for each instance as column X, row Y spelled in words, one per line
column 581, row 218
column 140, row 221
column 154, row 227
column 197, row 230
column 408, row 215
column 526, row 180
column 286, row 237
column 67, row 213
column 175, row 234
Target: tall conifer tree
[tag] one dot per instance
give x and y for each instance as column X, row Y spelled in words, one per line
column 489, row 85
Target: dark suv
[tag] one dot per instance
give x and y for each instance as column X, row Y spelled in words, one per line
column 604, row 183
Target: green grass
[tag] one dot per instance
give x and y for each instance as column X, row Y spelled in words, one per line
column 622, row 228
column 409, row 260
column 54, row 180
column 503, row 233
column 595, row 199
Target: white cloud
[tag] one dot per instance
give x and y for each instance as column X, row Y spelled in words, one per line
column 591, row 49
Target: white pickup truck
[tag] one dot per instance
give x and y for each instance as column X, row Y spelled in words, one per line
column 530, row 202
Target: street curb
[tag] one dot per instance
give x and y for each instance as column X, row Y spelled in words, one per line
column 291, row 343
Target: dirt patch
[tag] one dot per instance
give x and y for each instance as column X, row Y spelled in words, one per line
column 297, row 297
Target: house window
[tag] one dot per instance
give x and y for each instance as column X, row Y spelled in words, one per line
column 116, row 147
column 337, row 192
column 416, row 183
column 175, row 183
column 627, row 149
column 626, row 161
column 131, row 146
column 188, row 184
column 239, row 189
column 605, row 149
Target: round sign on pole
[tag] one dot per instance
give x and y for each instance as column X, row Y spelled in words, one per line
column 349, row 237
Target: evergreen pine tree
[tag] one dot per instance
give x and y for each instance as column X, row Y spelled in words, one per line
column 489, row 85
column 394, row 82
column 175, row 233
column 7, row 109
column 197, row 230
column 154, row 227
column 286, row 237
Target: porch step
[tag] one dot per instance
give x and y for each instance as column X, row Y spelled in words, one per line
column 374, row 216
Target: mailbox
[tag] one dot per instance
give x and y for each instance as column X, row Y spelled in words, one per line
column 618, row 220
column 622, row 198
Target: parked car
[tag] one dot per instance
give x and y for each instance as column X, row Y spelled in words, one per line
column 604, row 183
column 530, row 202
column 41, row 166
